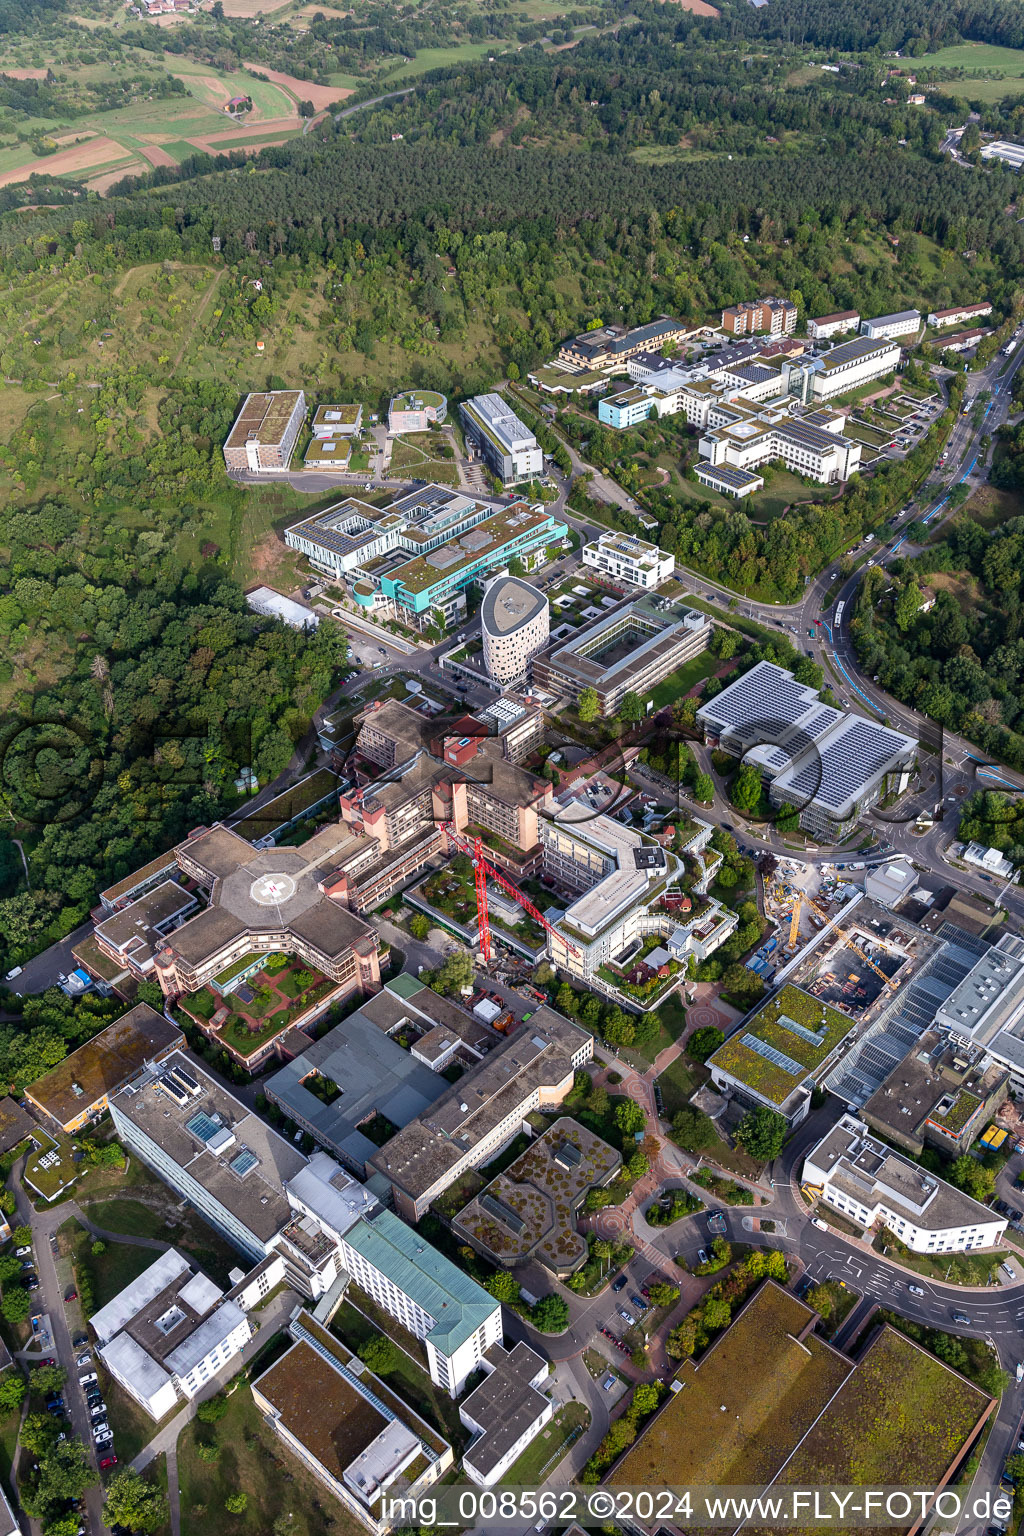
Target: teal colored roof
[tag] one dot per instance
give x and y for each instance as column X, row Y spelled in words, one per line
column 405, row 986
column 456, row 1303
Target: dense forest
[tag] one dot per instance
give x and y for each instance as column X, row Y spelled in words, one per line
column 961, row 659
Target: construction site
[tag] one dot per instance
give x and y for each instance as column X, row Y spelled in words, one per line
column 856, row 964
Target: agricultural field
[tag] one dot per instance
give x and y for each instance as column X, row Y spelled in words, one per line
column 170, row 107
column 1005, row 66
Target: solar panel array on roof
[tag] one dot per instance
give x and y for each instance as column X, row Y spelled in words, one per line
column 766, row 695
column 777, row 1058
column 846, row 764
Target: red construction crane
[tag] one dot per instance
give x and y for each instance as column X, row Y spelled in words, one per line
column 474, row 849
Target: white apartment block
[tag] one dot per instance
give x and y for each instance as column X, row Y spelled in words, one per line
column 456, row 1319
column 942, row 317
column 885, row 327
column 625, row 558
column 874, row 1186
column 827, row 326
column 168, row 1333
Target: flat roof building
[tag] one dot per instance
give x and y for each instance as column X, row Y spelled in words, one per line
column 874, row 1186
column 202, row 1141
column 350, row 1076
column 274, row 605
column 515, row 621
column 780, row 1052
column 132, row 935
column 262, row 900
column 770, row 1400
column 630, row 649
column 1005, row 150
column 416, row 410
column 330, row 421
column 454, row 1317
column 623, row 557
column 265, row 432
column 904, row 323
column 511, row 451
column 168, row 1333
column 343, row 1423
column 831, row 766
column 15, row 1124
column 527, row 1070
column 415, row 557
column 938, row 1095
column 79, row 1089
column 505, row 1412
column 889, row 883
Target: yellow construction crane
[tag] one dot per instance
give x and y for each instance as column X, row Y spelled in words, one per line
column 794, row 924
column 889, row 980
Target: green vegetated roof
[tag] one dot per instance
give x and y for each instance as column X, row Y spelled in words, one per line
column 959, row 1112
column 771, row 1388
column 760, row 1404
column 901, row 1418
column 771, row 1079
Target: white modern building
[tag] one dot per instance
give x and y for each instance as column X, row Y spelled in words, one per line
column 1003, row 149
column 509, row 449
column 626, row 558
column 841, row 369
column 623, row 879
column 515, row 623
column 456, row 1319
column 988, row 859
column 747, row 441
column 168, row 1333
column 827, row 326
column 942, row 317
column 872, row 1185
column 885, row 327
column 505, row 1412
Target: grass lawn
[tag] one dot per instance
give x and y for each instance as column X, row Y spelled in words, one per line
column 954, row 1268
column 680, row 683
column 541, row 1455
column 677, row 1083
column 130, row 1217
column 1008, row 62
column 437, row 58
column 9, row 1427
column 409, row 1380
column 185, row 1229
column 116, row 1267
column 254, row 1461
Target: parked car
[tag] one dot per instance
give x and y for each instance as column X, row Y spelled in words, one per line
column 702, row 1256
column 32, row 1283
column 85, row 1359
column 620, row 1284
column 23, row 1252
column 71, row 1295
column 79, row 1340
column 638, row 1301
column 107, row 1462
column 83, row 1381
column 627, row 1317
